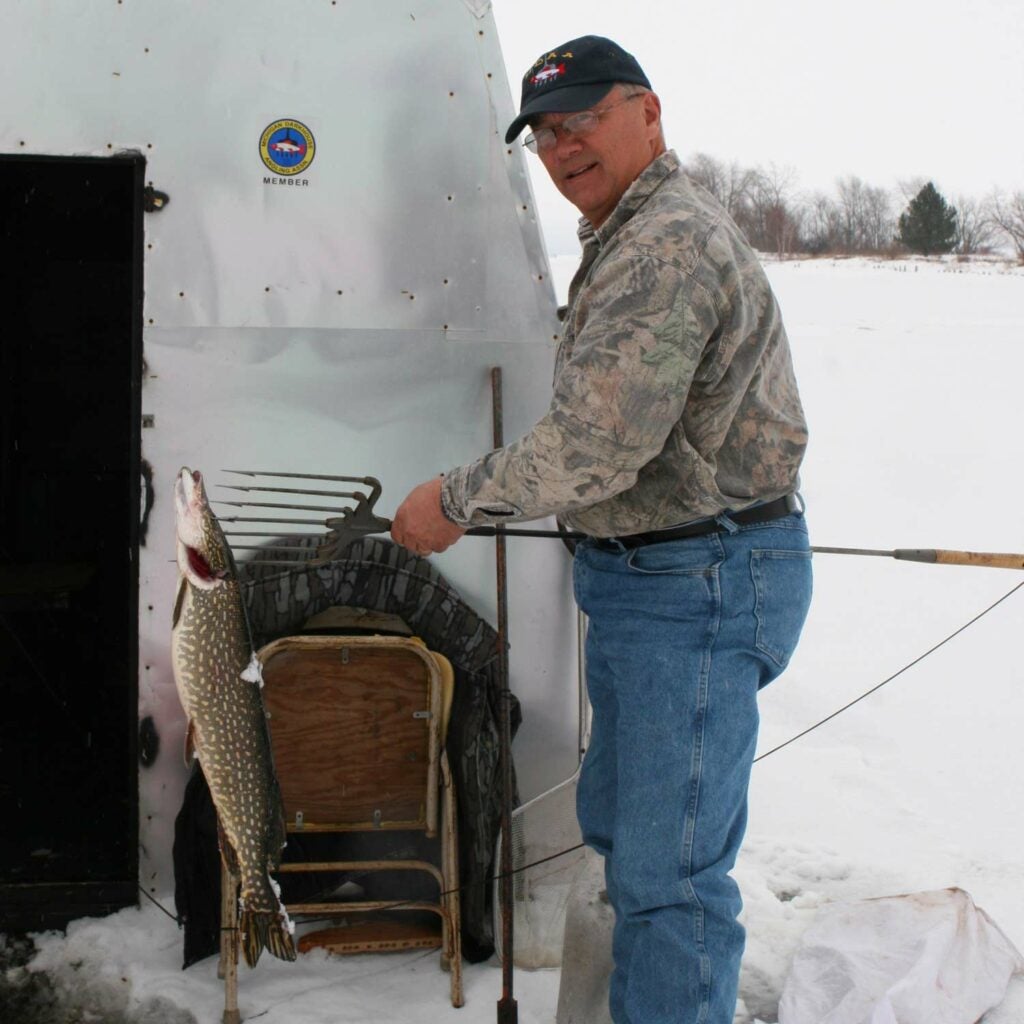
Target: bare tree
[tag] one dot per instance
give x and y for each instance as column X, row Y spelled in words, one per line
column 977, row 229
column 866, row 223
column 773, row 222
column 879, row 224
column 823, row 225
column 730, row 184
column 1008, row 215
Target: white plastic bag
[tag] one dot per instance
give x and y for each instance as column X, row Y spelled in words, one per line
column 922, row 958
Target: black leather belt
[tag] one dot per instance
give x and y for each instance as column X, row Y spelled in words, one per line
column 757, row 514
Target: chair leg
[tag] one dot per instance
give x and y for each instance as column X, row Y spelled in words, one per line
column 452, row 949
column 228, row 967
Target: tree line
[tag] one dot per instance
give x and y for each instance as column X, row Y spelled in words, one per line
column 858, row 218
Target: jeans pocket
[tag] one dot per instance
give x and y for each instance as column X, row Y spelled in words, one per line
column 782, row 589
column 673, row 558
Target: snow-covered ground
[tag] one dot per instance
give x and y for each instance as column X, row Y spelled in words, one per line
column 910, row 373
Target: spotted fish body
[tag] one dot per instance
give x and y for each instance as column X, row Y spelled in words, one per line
column 218, row 680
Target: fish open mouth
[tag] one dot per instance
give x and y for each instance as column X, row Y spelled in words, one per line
column 199, row 565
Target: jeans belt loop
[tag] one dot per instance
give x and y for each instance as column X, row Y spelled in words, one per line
column 727, row 525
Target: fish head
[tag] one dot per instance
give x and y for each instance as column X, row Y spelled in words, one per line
column 203, row 555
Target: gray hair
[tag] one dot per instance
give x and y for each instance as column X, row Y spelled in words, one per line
column 630, row 89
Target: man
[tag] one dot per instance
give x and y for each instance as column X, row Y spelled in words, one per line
column 673, row 440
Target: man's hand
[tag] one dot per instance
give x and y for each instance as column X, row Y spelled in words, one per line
column 419, row 523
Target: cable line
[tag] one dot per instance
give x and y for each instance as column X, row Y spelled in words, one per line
column 873, row 689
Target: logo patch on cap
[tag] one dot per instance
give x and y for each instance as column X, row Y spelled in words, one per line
column 549, row 71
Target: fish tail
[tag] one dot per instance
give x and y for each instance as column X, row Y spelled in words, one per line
column 265, row 929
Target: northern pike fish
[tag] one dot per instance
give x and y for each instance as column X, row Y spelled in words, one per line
column 219, row 680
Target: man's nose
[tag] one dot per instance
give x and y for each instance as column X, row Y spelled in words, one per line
column 567, row 144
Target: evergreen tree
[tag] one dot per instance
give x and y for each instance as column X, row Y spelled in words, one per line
column 929, row 223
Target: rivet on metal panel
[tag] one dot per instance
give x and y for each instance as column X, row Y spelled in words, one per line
column 377, row 816
column 299, row 818
column 344, row 655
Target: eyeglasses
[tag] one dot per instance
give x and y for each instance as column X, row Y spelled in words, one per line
column 582, row 123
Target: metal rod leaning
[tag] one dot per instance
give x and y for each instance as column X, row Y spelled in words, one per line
column 507, row 1009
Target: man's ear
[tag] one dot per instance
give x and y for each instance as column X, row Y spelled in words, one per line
column 651, row 108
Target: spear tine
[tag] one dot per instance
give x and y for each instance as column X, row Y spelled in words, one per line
column 294, row 490
column 372, row 482
column 304, row 476
column 273, row 504
column 263, row 533
column 273, row 547
column 274, row 561
column 257, row 519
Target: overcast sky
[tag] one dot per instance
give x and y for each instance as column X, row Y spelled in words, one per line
column 887, row 90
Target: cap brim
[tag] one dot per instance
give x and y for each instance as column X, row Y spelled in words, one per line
column 567, row 100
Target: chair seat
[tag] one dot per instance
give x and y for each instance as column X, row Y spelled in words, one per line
column 372, row 934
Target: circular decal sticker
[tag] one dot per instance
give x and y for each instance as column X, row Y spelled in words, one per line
column 287, row 147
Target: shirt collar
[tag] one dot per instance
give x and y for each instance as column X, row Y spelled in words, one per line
column 645, row 184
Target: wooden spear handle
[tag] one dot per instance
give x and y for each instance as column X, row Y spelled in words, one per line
column 992, row 560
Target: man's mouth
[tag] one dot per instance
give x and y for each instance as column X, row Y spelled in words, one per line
column 583, row 170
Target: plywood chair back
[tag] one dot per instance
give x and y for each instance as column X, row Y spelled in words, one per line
column 356, row 731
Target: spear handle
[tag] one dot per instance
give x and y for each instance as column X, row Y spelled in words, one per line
column 993, row 560
column 936, row 556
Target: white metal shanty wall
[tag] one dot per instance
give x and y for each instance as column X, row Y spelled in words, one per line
column 339, row 318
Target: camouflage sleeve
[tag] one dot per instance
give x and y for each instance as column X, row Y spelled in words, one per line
column 642, row 326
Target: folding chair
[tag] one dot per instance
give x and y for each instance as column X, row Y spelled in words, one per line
column 357, row 728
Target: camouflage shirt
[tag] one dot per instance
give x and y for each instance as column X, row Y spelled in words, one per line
column 674, row 395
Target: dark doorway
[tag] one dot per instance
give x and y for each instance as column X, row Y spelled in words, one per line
column 70, row 370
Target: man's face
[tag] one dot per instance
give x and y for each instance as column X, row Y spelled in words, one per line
column 594, row 169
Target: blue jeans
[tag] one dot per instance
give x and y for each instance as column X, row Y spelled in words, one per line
column 681, row 637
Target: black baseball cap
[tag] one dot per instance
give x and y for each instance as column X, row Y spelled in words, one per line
column 572, row 77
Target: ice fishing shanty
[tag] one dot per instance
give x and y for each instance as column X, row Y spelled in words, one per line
column 238, row 237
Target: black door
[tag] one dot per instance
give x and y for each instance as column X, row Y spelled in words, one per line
column 70, row 358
